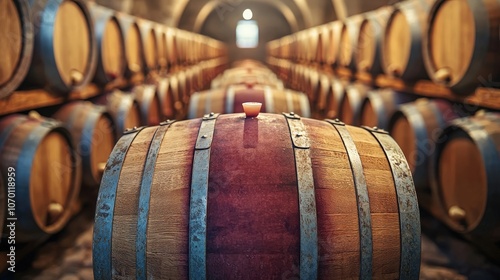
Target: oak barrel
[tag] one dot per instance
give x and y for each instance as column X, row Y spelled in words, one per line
column 348, row 42
column 352, row 102
column 161, row 35
column 229, row 100
column 150, row 44
column 402, row 45
column 227, row 197
column 379, row 106
column 371, row 32
column 467, row 180
column 332, row 39
column 149, row 104
column 92, row 130
column 134, row 48
column 47, row 173
column 334, row 97
column 166, row 98
column 64, row 56
column 16, row 30
column 111, row 63
column 416, row 127
column 123, row 108
column 461, row 47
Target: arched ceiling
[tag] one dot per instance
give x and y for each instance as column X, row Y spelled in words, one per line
column 191, row 14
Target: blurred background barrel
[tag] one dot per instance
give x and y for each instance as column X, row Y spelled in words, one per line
column 352, row 102
column 64, row 56
column 348, row 44
column 264, row 201
column 16, row 30
column 370, row 38
column 134, row 48
column 334, row 97
column 161, row 35
column 123, row 108
column 467, row 175
column 47, row 173
column 462, row 44
column 92, row 131
column 379, row 106
column 229, row 101
column 416, row 127
column 150, row 45
column 111, row 64
column 149, row 104
column 404, row 33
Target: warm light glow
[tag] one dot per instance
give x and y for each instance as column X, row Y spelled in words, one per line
column 247, row 34
column 247, row 14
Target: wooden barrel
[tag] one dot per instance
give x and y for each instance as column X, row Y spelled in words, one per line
column 332, row 40
column 134, row 47
column 227, row 197
column 348, row 44
column 416, row 127
column 334, row 96
column 161, row 35
column 111, row 63
column 351, row 104
column 467, row 180
column 461, row 47
column 149, row 104
column 123, row 108
column 402, row 46
column 172, row 47
column 47, row 173
column 17, row 44
column 371, row 31
column 166, row 98
column 150, row 44
column 229, row 100
column 174, row 88
column 320, row 104
column 312, row 85
column 92, row 131
column 379, row 106
column 64, row 57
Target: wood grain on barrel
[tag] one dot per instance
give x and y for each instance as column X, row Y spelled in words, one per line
column 383, row 205
column 403, row 134
column 125, row 214
column 162, row 47
column 463, row 179
column 452, row 38
column 150, row 46
column 12, row 33
column 366, row 45
column 167, row 246
column 397, row 45
column 133, row 49
column 112, row 49
column 72, row 42
column 53, row 169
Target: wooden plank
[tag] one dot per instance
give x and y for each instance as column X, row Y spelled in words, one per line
column 31, row 99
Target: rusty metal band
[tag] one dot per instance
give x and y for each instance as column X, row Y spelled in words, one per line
column 307, row 198
column 362, row 198
column 199, row 199
column 230, row 100
column 144, row 199
column 103, row 229
column 409, row 217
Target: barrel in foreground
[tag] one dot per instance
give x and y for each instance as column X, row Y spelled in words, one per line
column 273, row 196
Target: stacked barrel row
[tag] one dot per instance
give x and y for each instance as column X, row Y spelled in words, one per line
column 62, row 46
column 247, row 81
column 452, row 148
column 454, row 43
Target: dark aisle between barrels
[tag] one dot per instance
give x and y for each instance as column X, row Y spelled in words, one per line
column 249, row 139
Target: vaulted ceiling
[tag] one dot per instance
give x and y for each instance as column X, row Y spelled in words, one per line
column 192, row 14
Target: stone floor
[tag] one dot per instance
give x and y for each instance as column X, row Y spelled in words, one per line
column 67, row 256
